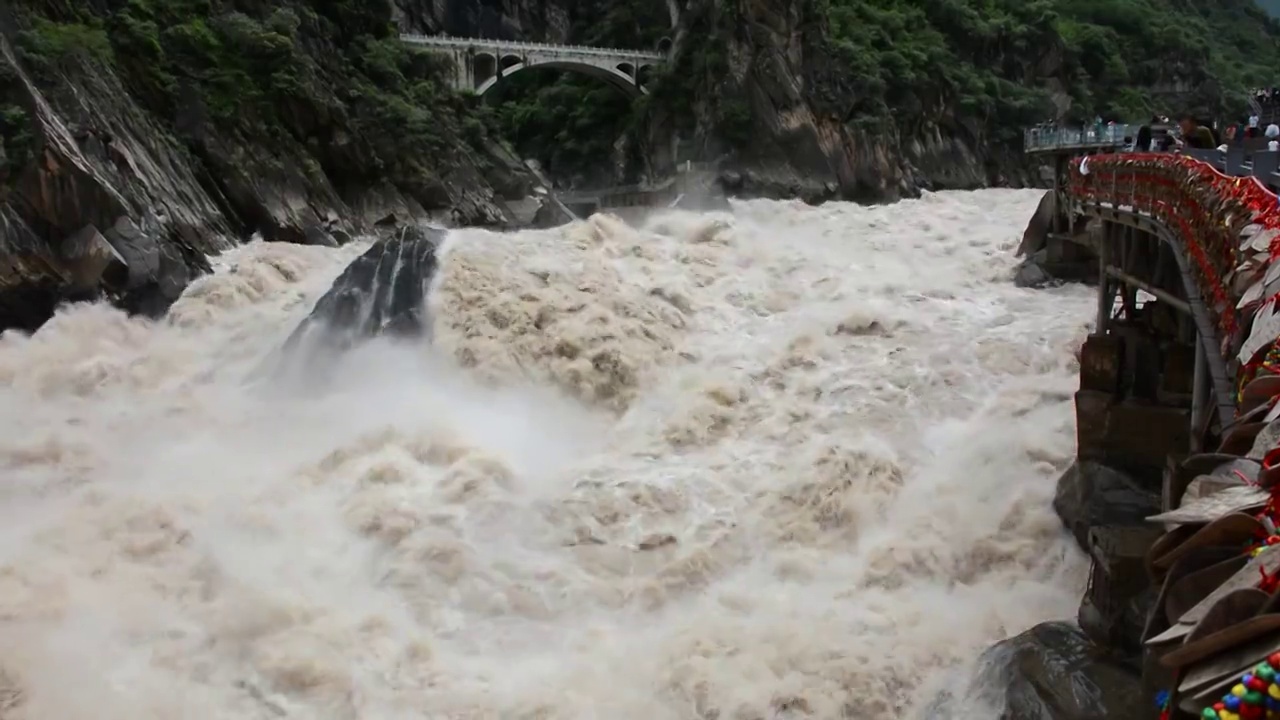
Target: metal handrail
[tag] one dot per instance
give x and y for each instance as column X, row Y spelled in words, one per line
column 1101, row 136
column 446, row 41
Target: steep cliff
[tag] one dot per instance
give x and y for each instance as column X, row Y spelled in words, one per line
column 872, row 100
column 139, row 136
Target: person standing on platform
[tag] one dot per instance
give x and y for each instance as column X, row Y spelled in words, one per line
column 1194, row 135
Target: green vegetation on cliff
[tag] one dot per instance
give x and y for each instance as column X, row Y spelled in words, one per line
column 1115, row 57
column 984, row 68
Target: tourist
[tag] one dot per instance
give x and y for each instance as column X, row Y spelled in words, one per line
column 1195, row 135
column 1144, row 142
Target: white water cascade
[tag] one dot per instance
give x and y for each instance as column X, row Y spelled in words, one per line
column 784, row 462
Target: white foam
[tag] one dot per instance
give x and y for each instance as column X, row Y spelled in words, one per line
column 787, row 462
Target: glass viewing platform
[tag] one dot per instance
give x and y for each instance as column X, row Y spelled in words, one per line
column 1055, row 138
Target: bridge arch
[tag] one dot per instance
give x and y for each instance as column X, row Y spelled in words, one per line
column 612, row 75
column 483, row 67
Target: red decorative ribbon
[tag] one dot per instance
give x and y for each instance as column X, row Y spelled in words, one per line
column 1204, row 207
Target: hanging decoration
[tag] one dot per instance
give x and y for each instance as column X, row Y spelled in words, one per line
column 1195, row 202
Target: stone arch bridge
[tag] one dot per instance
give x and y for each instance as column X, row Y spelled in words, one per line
column 1177, row 426
column 481, row 64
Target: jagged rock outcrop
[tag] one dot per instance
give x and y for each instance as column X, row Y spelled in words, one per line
column 382, row 292
column 1036, row 235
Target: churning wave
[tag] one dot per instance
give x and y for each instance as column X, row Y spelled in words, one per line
column 781, row 462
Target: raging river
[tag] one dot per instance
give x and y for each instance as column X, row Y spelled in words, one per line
column 783, row 462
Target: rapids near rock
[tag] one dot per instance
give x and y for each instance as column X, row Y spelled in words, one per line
column 786, row 462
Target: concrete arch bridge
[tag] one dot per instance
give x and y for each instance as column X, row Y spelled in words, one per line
column 1184, row 249
column 482, row 64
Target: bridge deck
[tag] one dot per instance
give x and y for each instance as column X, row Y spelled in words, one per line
column 515, row 46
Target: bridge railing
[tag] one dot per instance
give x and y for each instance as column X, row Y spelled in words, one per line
column 1049, row 138
column 1206, row 210
column 1264, row 165
column 466, row 43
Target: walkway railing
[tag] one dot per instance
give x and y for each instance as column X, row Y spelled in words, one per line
column 1049, row 138
column 467, row 43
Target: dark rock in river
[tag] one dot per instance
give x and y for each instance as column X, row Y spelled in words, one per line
column 1053, row 672
column 1036, row 236
column 1031, row 272
column 1050, row 672
column 382, row 292
column 1092, row 495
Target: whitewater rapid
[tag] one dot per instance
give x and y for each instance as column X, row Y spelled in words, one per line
column 784, row 462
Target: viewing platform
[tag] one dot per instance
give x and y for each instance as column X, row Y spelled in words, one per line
column 1106, row 137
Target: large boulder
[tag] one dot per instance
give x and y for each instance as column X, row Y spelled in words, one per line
column 1031, row 272
column 1050, row 672
column 1093, row 495
column 1036, row 236
column 382, row 292
column 1053, row 672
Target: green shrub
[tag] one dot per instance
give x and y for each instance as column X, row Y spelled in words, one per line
column 48, row 43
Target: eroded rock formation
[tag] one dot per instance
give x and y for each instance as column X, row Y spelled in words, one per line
column 382, row 292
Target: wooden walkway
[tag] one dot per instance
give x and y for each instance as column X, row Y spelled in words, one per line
column 1186, row 255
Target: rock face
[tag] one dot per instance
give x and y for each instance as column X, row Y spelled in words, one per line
column 792, row 97
column 129, row 154
column 1092, row 495
column 1031, row 272
column 1053, row 672
column 382, row 292
column 114, row 209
